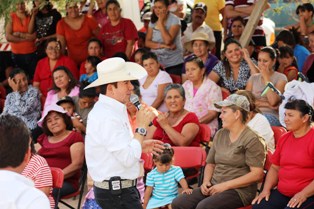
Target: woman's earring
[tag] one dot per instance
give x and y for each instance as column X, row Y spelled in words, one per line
column 69, row 80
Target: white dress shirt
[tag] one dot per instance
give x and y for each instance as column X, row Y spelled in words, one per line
column 18, row 192
column 110, row 148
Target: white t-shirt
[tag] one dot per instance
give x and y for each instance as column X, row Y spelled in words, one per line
column 149, row 95
column 261, row 126
column 18, row 192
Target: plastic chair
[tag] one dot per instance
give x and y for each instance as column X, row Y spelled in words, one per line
column 278, row 132
column 148, row 161
column 79, row 192
column 224, row 93
column 57, row 181
column 205, row 136
column 191, row 157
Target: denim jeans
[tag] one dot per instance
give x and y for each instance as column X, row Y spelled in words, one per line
column 280, row 201
column 128, row 199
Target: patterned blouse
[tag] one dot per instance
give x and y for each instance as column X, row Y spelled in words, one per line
column 25, row 106
column 230, row 83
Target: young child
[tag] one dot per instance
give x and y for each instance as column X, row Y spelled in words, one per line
column 68, row 105
column 90, row 66
column 287, row 63
column 162, row 182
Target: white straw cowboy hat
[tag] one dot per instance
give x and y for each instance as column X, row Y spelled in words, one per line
column 200, row 36
column 116, row 69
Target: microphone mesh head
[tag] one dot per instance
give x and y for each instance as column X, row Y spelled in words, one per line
column 134, row 98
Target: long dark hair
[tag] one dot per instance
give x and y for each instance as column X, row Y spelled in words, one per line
column 154, row 17
column 72, row 80
column 225, row 62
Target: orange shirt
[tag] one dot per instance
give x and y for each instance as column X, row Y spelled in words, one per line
column 77, row 40
column 18, row 25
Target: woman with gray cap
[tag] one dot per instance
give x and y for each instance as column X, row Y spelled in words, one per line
column 234, row 163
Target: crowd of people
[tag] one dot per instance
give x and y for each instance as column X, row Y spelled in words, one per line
column 69, row 87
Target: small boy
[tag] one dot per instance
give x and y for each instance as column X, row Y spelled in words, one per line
column 68, row 105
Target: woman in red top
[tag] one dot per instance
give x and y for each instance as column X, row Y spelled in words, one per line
column 178, row 127
column 74, row 31
column 61, row 147
column 45, row 67
column 22, row 43
column 119, row 34
column 292, row 168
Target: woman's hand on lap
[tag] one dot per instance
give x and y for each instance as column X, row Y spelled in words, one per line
column 261, row 196
column 297, row 200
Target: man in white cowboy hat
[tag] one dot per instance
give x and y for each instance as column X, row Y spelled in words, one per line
column 198, row 23
column 112, row 152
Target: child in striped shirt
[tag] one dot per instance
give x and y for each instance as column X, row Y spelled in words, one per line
column 162, row 182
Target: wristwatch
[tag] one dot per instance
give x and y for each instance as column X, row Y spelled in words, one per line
column 141, row 131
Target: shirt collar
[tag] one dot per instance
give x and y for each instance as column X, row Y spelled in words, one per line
column 116, row 105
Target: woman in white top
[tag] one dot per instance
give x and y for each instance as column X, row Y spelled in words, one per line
column 152, row 86
column 258, row 122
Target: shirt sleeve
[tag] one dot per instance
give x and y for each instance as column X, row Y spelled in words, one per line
column 218, row 68
column 60, row 28
column 214, row 95
column 212, row 151
column 130, row 30
column 178, row 174
column 255, row 153
column 150, row 179
column 221, row 4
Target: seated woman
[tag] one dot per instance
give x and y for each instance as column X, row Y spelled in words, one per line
column 292, row 168
column 201, row 45
column 43, row 73
column 287, row 63
column 38, row 170
column 164, row 38
column 177, row 127
column 201, row 93
column 235, row 69
column 61, row 147
column 23, row 101
column 268, row 103
column 64, row 84
column 234, row 162
column 258, row 122
column 119, row 34
column 153, row 85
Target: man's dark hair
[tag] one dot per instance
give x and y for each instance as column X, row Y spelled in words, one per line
column 103, row 88
column 14, row 141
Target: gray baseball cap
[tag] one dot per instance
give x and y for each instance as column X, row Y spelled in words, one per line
column 234, row 99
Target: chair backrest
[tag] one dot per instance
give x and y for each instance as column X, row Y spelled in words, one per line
column 278, row 132
column 205, row 133
column 189, row 157
column 57, row 177
column 148, row 161
column 225, row 94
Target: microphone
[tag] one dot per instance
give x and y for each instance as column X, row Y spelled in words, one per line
column 136, row 101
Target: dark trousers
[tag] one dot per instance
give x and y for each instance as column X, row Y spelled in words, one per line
column 128, row 199
column 66, row 189
column 27, row 62
column 225, row 200
column 218, row 38
column 280, row 201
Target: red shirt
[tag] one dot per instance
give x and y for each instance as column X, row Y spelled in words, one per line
column 114, row 38
column 77, row 40
column 295, row 156
column 59, row 154
column 43, row 73
column 18, row 25
column 189, row 118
